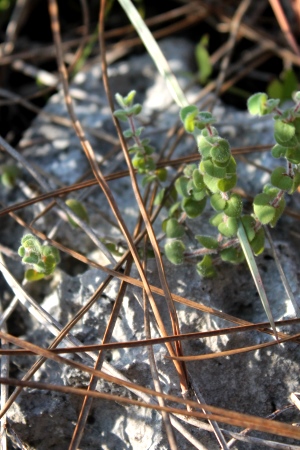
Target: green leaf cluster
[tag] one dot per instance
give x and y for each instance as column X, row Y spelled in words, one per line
column 43, row 258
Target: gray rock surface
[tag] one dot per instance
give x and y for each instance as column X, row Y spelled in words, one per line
column 255, row 383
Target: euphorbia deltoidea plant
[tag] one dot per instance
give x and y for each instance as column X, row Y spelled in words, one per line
column 214, row 179
column 216, row 176
column 238, row 235
column 43, row 258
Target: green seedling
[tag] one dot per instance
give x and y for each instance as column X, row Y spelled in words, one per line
column 9, row 175
column 42, row 258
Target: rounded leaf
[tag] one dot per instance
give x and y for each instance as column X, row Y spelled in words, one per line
column 220, row 152
column 216, row 219
column 193, row 208
column 249, row 224
column 181, row 185
column 162, row 174
column 262, row 208
column 278, row 151
column 204, row 146
column 283, row 130
column 218, row 202
column 212, row 169
column 258, row 243
column 228, row 183
column 233, row 255
column 256, row 103
column 173, row 228
column 33, row 275
column 78, row 208
column 293, row 155
column 198, row 179
column 280, row 179
column 205, row 268
column 234, row 206
column 228, row 227
column 212, row 183
column 174, row 251
column 208, row 242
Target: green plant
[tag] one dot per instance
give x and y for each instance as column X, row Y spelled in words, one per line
column 9, row 175
column 215, row 178
column 141, row 149
column 43, row 258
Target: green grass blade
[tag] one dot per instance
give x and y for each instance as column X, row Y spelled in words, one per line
column 255, row 274
column 155, row 52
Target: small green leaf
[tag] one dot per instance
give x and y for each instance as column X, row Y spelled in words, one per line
column 208, row 242
column 284, row 131
column 234, row 255
column 220, row 152
column 159, row 197
column 218, row 202
column 9, row 175
column 256, row 104
column 187, row 110
column 33, row 275
column 212, row 183
column 228, row 183
column 234, row 206
column 128, row 134
column 205, row 268
column 174, row 251
column 80, row 211
column 162, row 174
column 181, row 185
column 193, row 208
column 128, row 100
column 211, row 169
column 228, row 227
column 173, row 228
column 174, row 209
column 134, row 110
column 278, row 151
column 293, row 155
column 148, row 179
column 258, row 243
column 32, row 258
column 262, row 208
column 216, row 219
column 121, row 115
column 48, row 250
column 204, row 146
column 198, row 179
column 203, row 60
column 280, row 179
column 249, row 224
